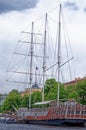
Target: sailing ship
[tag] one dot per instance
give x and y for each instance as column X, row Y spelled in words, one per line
column 55, row 112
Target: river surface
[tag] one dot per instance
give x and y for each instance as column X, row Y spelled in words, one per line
column 36, row 127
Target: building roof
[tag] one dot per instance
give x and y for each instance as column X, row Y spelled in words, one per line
column 75, row 81
column 35, row 86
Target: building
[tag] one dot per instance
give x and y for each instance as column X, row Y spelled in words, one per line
column 34, row 88
column 74, row 82
column 2, row 98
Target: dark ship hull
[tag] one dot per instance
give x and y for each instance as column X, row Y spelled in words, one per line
column 54, row 122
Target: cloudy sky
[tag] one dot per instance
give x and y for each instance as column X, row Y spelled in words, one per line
column 15, row 15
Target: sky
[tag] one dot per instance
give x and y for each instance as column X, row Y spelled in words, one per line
column 15, row 15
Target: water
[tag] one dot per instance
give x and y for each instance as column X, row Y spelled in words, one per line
column 36, row 127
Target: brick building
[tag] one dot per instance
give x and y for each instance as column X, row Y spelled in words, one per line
column 74, row 82
column 34, row 88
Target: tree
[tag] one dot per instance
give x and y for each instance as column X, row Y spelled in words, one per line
column 81, row 91
column 71, row 92
column 25, row 101
column 51, row 88
column 36, row 97
column 13, row 99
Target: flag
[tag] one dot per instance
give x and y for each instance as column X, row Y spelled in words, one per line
column 36, row 68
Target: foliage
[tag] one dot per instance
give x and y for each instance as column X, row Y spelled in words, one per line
column 25, row 101
column 81, row 91
column 36, row 97
column 71, row 92
column 77, row 92
column 51, row 87
column 13, row 99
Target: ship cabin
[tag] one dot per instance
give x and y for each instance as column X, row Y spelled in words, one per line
column 53, row 110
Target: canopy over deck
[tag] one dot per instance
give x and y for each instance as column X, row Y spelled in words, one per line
column 43, row 103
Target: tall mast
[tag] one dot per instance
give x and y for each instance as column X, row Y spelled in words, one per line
column 44, row 56
column 31, row 60
column 59, row 62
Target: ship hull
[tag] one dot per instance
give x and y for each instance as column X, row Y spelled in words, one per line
column 75, row 122
column 68, row 113
column 46, row 122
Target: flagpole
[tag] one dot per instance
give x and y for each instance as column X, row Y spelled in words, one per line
column 36, row 74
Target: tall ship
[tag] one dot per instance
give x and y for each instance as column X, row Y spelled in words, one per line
column 54, row 112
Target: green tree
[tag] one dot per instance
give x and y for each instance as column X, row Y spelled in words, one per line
column 13, row 99
column 71, row 92
column 81, row 91
column 25, row 101
column 51, row 90
column 36, row 97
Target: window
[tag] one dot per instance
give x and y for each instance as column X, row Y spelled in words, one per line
column 77, row 112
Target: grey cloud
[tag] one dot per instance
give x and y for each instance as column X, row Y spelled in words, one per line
column 84, row 9
column 71, row 5
column 16, row 5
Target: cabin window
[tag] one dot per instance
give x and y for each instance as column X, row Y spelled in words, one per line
column 70, row 112
column 57, row 112
column 23, row 114
column 60, row 112
column 35, row 114
column 63, row 112
column 82, row 112
column 77, row 112
column 69, row 107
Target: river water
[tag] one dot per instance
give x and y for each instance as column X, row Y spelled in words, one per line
column 37, row 127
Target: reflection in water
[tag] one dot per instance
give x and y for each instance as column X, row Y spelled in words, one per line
column 37, row 127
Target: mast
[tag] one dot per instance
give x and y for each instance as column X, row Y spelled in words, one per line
column 31, row 61
column 59, row 50
column 36, row 74
column 44, row 56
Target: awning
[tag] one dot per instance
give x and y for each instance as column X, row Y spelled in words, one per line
column 42, row 103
